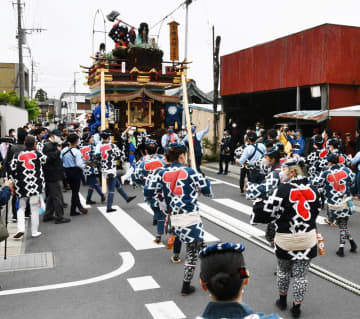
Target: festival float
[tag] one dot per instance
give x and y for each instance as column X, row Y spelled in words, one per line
column 135, row 79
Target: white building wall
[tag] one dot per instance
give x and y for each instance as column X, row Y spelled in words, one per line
column 12, row 117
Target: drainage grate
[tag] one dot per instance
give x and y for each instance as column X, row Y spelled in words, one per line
column 27, row 262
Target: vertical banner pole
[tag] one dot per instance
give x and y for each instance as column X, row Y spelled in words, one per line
column 188, row 123
column 103, row 119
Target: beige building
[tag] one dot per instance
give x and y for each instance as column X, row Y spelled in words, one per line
column 200, row 113
column 10, row 78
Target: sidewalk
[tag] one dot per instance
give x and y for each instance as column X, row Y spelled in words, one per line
column 234, row 170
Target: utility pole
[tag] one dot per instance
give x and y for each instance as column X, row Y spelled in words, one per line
column 21, row 65
column 216, row 72
column 32, row 78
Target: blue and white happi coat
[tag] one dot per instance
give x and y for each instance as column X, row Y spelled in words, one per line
column 316, row 162
column 179, row 186
column 293, row 207
column 88, row 155
column 109, row 154
column 262, row 190
column 26, row 171
column 336, row 183
column 145, row 167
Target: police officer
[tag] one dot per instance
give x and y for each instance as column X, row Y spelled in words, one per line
column 251, row 154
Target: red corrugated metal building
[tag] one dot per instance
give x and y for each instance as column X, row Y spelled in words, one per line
column 261, row 81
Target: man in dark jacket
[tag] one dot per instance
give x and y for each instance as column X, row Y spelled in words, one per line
column 53, row 173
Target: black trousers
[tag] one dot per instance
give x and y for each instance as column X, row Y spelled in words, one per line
column 224, row 159
column 74, row 175
column 243, row 173
column 54, row 200
column 198, row 159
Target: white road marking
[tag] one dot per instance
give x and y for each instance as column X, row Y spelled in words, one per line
column 220, row 181
column 247, row 209
column 83, row 201
column 249, row 229
column 320, row 220
column 243, row 208
column 214, row 181
column 208, row 238
column 130, row 229
column 165, row 310
column 143, row 283
column 127, row 264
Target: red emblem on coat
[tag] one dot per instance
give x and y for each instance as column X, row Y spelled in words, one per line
column 172, row 179
column 27, row 158
column 301, row 197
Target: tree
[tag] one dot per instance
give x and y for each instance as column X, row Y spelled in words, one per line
column 41, row 95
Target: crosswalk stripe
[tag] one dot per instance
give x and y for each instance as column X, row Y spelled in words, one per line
column 247, row 209
column 143, row 283
column 247, row 228
column 208, row 238
column 130, row 229
column 243, row 208
column 165, row 310
column 83, row 201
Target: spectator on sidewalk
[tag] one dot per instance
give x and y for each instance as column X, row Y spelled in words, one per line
column 224, row 274
column 261, row 136
column 12, row 135
column 27, row 174
column 225, row 153
column 298, row 142
column 40, row 132
column 355, row 144
column 53, row 173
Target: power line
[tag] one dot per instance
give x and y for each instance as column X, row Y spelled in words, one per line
column 169, row 14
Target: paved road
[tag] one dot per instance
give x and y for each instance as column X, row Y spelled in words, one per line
column 88, row 248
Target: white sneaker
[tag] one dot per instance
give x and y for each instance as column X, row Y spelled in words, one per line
column 36, row 235
column 122, row 179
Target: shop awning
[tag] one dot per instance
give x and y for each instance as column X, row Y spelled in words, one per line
column 319, row 115
column 346, row 111
column 314, row 115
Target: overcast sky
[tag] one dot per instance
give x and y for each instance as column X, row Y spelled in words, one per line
column 67, row 43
